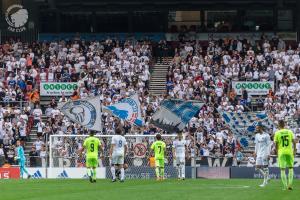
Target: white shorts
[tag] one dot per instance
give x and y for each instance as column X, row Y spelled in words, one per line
column 180, row 160
column 117, row 160
column 263, row 161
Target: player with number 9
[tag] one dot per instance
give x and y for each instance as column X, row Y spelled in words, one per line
column 92, row 146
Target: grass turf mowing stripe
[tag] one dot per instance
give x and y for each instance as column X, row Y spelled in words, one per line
column 204, row 189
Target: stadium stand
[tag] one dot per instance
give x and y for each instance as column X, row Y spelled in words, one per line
column 115, row 69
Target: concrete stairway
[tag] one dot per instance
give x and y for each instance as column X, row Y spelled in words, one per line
column 32, row 137
column 158, row 77
column 158, row 80
column 31, row 140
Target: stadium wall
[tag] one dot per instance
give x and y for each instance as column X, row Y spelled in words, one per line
column 63, row 173
column 145, row 173
column 9, row 173
column 287, row 36
column 149, row 172
column 251, row 173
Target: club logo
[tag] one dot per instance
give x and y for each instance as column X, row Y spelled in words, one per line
column 37, row 175
column 81, row 111
column 127, row 109
column 16, row 17
column 63, row 174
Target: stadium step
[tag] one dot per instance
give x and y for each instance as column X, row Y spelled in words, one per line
column 158, row 84
column 158, row 78
column 33, row 135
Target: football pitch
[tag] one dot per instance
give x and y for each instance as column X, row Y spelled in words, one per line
column 199, row 189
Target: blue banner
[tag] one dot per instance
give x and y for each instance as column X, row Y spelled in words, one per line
column 174, row 114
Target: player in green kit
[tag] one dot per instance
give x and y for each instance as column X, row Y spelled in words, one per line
column 92, row 145
column 159, row 148
column 285, row 148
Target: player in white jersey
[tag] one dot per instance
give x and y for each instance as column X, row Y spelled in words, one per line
column 117, row 153
column 179, row 148
column 262, row 153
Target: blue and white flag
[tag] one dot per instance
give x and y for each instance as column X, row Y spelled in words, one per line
column 128, row 109
column 86, row 112
column 243, row 125
column 174, row 114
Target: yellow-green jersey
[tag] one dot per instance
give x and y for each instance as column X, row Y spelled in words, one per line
column 159, row 148
column 284, row 139
column 91, row 144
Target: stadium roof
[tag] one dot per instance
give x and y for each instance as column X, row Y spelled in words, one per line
column 165, row 4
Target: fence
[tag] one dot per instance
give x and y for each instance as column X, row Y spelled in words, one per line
column 17, row 104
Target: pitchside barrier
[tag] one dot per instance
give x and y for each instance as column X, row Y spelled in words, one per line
column 143, row 173
column 64, row 154
column 250, row 172
column 65, row 161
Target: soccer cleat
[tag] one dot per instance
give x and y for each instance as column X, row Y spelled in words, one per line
column 113, row 180
column 262, row 185
column 290, row 188
column 91, row 179
column 94, row 181
column 118, row 174
column 158, row 178
column 29, row 176
column 183, row 179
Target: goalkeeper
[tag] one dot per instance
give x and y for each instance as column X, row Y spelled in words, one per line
column 21, row 158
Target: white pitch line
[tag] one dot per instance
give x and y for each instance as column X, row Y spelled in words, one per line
column 229, row 187
column 199, row 187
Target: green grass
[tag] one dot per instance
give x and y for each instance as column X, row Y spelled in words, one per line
column 200, row 189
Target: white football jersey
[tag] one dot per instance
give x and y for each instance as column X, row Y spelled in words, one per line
column 179, row 146
column 120, row 143
column 262, row 145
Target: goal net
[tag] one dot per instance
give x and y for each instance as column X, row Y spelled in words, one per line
column 64, row 153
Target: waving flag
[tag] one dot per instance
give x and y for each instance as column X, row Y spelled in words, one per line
column 128, row 109
column 174, row 114
column 86, row 112
column 243, row 125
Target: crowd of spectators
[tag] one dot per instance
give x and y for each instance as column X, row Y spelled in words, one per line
column 115, row 70
column 206, row 75
column 109, row 68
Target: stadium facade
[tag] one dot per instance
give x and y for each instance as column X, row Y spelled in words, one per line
column 94, row 16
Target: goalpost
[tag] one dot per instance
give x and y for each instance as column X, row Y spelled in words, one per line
column 64, row 153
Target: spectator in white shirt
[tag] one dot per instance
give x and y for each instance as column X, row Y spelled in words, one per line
column 37, row 114
column 38, row 144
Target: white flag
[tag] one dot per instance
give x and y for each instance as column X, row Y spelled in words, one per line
column 86, row 112
column 127, row 109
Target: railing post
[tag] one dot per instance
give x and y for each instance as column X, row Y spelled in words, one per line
column 47, row 156
column 193, row 155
